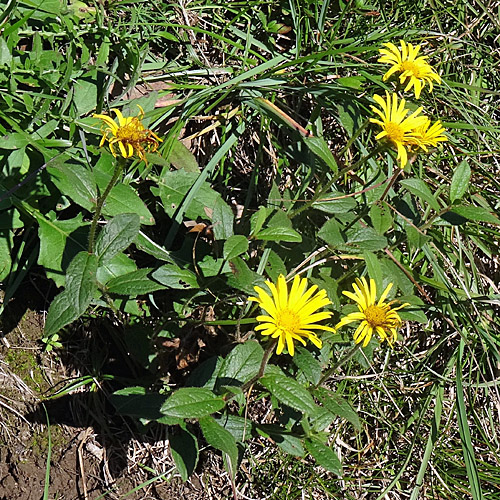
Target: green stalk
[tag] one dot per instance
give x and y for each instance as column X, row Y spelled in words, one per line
column 338, row 364
column 120, row 163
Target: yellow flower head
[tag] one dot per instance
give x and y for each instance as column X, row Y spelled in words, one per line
column 396, row 126
column 129, row 134
column 292, row 315
column 416, row 71
column 374, row 316
column 429, row 135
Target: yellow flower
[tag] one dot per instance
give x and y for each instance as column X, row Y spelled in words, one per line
column 429, row 135
column 415, row 70
column 292, row 315
column 396, row 126
column 374, row 316
column 131, row 136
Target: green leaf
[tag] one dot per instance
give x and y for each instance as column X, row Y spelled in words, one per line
column 242, row 277
column 124, row 200
column 288, row 443
column 279, row 234
column 14, row 140
column 54, row 246
column 324, row 456
column 5, row 54
column 76, row 182
column 363, row 239
column 117, row 235
column 242, row 363
column 319, row 147
column 234, row 246
column 321, row 419
column 221, row 439
column 308, row 365
column 175, row 186
column 275, row 266
column 416, row 238
column 288, row 391
column 117, row 266
column 147, row 245
column 184, row 449
column 331, row 232
column 81, row 286
column 460, row 181
column 6, row 244
column 192, row 402
column 476, row 214
column 335, row 202
column 257, row 220
column 84, row 96
column 240, row 427
column 134, row 402
column 348, row 111
column 420, row 189
column 173, row 276
column 181, row 158
column 338, row 406
column 396, row 275
column 373, row 268
column 381, row 217
column 50, row 6
column 134, row 283
column 412, row 312
column 222, row 218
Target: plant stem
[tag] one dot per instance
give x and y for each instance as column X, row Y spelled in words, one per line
column 339, row 363
column 260, row 373
column 263, row 364
column 120, row 163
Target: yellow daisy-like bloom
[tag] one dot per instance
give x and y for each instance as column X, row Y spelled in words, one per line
column 416, row 71
column 131, row 136
column 292, row 315
column 396, row 126
column 429, row 135
column 375, row 316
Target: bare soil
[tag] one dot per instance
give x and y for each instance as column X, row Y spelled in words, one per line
column 94, row 453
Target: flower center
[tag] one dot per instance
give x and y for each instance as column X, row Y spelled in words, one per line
column 133, row 132
column 394, row 132
column 411, row 67
column 375, row 316
column 288, row 321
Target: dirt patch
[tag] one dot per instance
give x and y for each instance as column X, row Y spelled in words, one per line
column 94, row 453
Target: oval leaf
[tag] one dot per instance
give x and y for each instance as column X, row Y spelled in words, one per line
column 184, row 449
column 460, row 181
column 242, row 363
column 289, row 392
column 420, row 189
column 173, row 276
column 192, row 402
column 235, row 246
column 81, row 285
column 477, row 214
column 279, row 234
column 134, row 283
column 324, row 455
column 116, row 236
column 221, row 439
